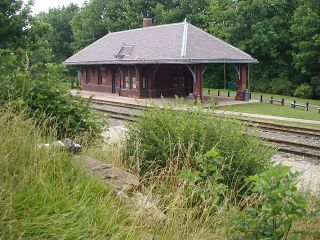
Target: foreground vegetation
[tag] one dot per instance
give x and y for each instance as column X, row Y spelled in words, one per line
column 43, row 195
column 41, row 90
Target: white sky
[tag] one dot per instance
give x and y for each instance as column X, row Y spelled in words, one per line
column 44, row 5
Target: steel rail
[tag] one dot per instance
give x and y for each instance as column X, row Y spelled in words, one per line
column 301, row 149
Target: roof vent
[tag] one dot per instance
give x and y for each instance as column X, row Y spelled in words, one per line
column 125, row 51
column 147, row 22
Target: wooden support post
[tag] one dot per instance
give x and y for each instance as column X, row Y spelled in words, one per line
column 261, row 98
column 242, row 82
column 198, row 78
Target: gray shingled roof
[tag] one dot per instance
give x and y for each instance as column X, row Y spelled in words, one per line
column 179, row 43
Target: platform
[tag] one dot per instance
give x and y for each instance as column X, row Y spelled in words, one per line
column 221, row 101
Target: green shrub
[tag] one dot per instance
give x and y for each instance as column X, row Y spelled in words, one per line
column 276, row 204
column 303, row 91
column 281, row 86
column 164, row 136
column 42, row 90
column 203, row 181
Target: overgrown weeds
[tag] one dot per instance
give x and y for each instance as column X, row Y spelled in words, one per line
column 42, row 195
column 166, row 136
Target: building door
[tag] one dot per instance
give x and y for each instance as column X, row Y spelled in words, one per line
column 114, row 75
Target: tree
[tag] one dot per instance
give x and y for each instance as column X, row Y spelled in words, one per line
column 60, row 35
column 261, row 28
column 14, row 20
column 98, row 17
column 306, row 40
column 94, row 20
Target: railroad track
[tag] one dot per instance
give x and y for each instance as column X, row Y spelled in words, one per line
column 129, row 112
column 284, row 128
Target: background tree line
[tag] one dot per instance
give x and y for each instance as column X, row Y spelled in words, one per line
column 284, row 35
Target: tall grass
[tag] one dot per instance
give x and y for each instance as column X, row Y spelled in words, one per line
column 44, row 196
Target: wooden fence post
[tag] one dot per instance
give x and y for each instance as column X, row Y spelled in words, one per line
column 271, row 100
column 218, row 92
column 282, row 102
column 261, row 98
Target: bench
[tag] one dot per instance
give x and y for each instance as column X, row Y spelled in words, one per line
column 276, row 101
column 305, row 106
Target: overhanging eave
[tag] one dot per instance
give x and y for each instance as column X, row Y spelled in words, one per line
column 162, row 61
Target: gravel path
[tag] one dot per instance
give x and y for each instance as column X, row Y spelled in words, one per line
column 296, row 138
column 309, row 169
column 116, row 131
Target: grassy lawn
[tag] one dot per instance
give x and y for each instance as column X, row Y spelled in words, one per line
column 274, row 110
column 266, row 96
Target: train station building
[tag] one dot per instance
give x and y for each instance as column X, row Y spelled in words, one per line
column 153, row 61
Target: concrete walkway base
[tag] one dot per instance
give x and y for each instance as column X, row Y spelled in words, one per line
column 221, row 101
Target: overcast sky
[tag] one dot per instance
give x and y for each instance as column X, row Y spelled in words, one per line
column 44, row 5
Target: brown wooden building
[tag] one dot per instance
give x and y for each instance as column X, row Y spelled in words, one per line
column 153, row 61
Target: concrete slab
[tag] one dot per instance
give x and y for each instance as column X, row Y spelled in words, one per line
column 221, row 101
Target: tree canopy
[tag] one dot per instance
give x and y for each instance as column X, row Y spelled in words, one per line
column 284, row 35
column 14, row 20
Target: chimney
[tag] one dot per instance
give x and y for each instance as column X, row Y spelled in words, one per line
column 147, row 22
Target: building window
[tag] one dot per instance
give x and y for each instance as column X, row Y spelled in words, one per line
column 99, row 77
column 175, row 82
column 130, row 78
column 87, row 75
column 126, row 82
column 178, row 82
column 133, row 77
column 181, row 82
column 144, row 82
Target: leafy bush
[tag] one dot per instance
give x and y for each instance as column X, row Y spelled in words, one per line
column 281, row 86
column 203, row 181
column 276, row 204
column 42, row 91
column 303, row 91
column 165, row 136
